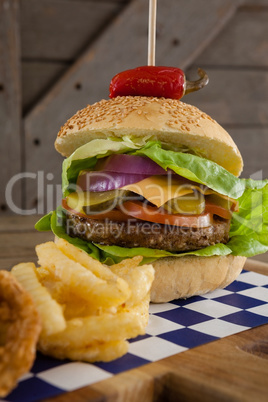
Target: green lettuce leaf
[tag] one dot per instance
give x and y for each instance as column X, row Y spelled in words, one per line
column 247, row 246
column 86, row 157
column 117, row 253
column 249, row 226
column 248, row 234
column 199, row 170
column 109, row 255
column 56, row 222
column 44, row 224
column 190, row 166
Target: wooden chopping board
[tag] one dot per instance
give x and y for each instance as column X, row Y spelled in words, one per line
column 234, row 368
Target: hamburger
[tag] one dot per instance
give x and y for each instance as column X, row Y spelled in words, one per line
column 157, row 177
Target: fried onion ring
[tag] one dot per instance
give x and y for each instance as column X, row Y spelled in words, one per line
column 20, row 327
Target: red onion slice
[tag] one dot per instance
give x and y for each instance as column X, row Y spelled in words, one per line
column 130, row 164
column 105, row 181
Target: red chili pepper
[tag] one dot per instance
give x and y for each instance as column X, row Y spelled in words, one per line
column 167, row 82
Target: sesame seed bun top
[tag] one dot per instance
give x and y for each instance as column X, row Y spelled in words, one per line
column 170, row 121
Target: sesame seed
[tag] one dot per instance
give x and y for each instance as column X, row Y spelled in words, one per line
column 116, row 110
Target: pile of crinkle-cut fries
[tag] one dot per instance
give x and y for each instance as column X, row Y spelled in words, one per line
column 71, row 306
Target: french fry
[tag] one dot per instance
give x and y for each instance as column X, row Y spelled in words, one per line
column 77, row 307
column 78, row 255
column 54, row 285
column 88, row 310
column 127, row 264
column 92, row 353
column 139, row 278
column 49, row 310
column 141, row 310
column 103, row 328
column 82, row 281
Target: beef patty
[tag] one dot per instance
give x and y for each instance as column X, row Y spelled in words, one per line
column 135, row 233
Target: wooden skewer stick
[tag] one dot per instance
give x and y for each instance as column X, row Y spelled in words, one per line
column 152, row 32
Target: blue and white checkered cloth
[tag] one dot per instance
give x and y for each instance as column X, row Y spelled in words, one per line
column 173, row 328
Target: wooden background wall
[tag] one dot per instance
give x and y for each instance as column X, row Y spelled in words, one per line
column 56, row 56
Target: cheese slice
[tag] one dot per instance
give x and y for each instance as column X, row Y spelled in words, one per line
column 160, row 189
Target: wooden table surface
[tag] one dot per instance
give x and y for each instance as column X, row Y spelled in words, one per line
column 234, row 368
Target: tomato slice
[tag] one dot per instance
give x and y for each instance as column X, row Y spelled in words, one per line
column 139, row 210
column 73, row 211
column 149, row 213
column 218, row 210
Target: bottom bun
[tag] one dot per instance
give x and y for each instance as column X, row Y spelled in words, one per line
column 179, row 278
